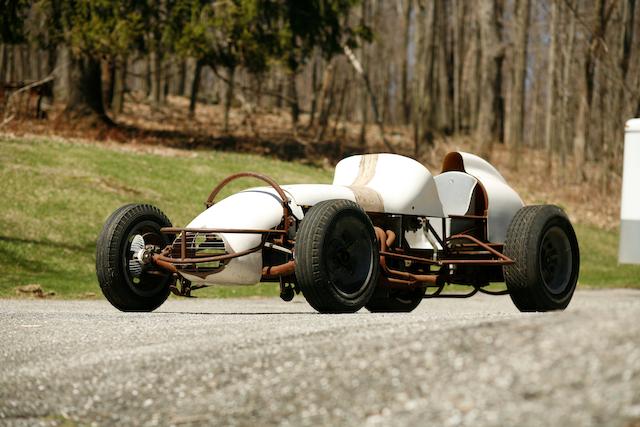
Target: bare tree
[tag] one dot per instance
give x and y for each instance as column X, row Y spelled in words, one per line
column 492, row 54
column 517, row 94
column 549, row 111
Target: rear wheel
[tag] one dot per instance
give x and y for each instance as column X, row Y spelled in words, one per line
column 544, row 246
column 395, row 300
column 127, row 283
column 336, row 257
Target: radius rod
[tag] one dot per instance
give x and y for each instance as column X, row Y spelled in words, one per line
column 402, row 277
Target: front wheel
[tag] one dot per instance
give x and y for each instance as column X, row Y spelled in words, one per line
column 337, row 260
column 127, row 283
column 543, row 244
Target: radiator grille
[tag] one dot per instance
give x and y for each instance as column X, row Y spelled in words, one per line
column 200, row 245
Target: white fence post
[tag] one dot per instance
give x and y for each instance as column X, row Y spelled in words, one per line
column 629, row 251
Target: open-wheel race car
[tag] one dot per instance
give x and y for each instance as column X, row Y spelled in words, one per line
column 384, row 235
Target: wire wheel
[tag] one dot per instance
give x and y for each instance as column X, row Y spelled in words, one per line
column 126, row 282
column 140, row 279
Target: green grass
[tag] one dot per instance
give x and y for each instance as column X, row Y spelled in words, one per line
column 55, row 196
column 599, row 266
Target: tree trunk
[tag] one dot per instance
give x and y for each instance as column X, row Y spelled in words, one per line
column 630, row 67
column 314, row 92
column 157, row 86
column 568, row 51
column 587, row 88
column 357, row 66
column 364, row 114
column 292, row 94
column 27, row 72
column 62, row 67
column 406, row 40
column 17, row 64
column 108, row 81
column 279, row 89
column 549, row 112
column 149, row 76
column 228, row 97
column 3, row 61
column 516, row 114
column 195, row 87
column 119, row 87
column 459, row 11
column 423, row 31
column 35, row 58
column 325, row 100
column 491, row 60
column 84, row 99
column 52, row 57
column 182, row 78
column 338, row 116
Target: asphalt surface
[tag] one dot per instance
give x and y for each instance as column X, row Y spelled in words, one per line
column 265, row 362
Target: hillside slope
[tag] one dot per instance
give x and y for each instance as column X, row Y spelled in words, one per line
column 57, row 193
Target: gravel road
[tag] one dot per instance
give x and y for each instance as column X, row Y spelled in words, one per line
column 265, row 362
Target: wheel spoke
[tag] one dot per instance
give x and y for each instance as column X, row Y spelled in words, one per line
column 137, row 244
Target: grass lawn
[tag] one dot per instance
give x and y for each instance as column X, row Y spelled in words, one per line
column 56, row 195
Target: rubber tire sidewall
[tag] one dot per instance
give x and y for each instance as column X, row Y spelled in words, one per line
column 310, row 276
column 109, row 268
column 524, row 278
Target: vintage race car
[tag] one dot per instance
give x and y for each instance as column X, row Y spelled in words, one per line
column 385, row 235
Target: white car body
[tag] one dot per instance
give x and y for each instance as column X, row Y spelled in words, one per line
column 379, row 183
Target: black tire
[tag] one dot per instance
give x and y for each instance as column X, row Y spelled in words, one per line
column 337, row 261
column 543, row 244
column 125, row 289
column 395, row 300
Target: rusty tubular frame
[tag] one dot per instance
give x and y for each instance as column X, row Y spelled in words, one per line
column 169, row 263
column 286, row 269
column 483, row 245
column 502, row 259
column 401, row 277
column 177, row 230
column 268, row 180
column 442, row 262
column 467, row 295
column 187, row 261
column 164, row 264
column 485, row 291
column 395, row 277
